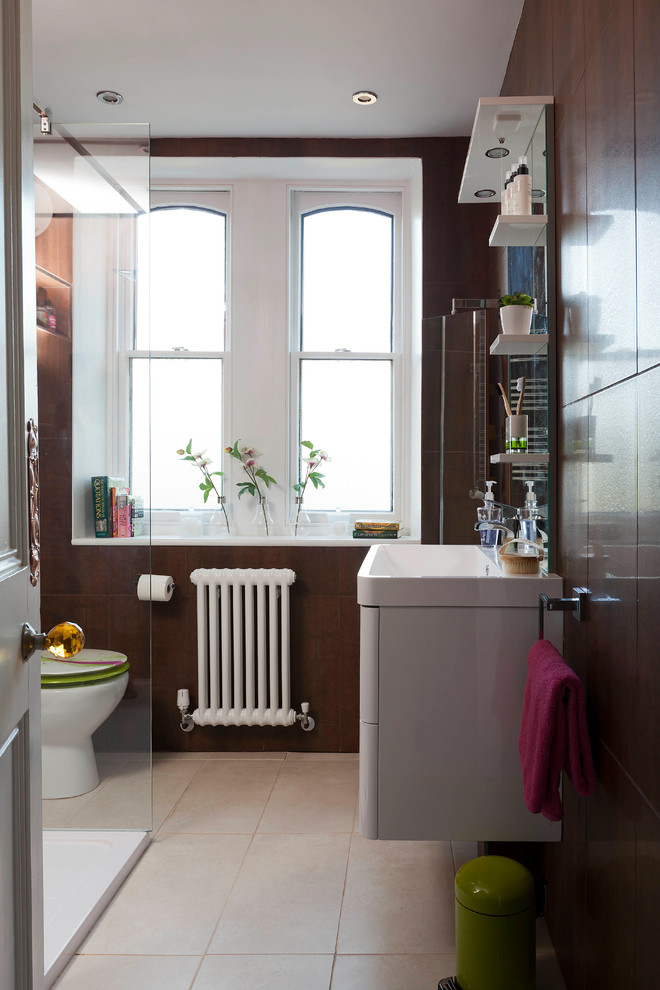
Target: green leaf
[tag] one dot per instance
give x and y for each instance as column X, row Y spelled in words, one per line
column 206, row 494
column 189, row 447
column 218, row 472
column 298, row 488
column 305, row 443
column 260, row 473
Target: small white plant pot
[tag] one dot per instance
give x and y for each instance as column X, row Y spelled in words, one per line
column 516, row 319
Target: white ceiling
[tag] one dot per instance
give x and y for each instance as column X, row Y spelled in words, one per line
column 273, row 68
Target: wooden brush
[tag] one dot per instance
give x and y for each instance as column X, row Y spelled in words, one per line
column 518, row 563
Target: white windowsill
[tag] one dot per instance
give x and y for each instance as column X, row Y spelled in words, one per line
column 236, row 541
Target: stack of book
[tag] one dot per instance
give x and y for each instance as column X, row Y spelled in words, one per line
column 375, row 530
column 115, row 513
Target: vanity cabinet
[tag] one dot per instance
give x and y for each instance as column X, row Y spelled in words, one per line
column 443, row 665
column 504, row 130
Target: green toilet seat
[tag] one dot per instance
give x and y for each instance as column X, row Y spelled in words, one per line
column 87, row 667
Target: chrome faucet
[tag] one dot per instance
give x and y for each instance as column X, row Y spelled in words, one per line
column 485, row 524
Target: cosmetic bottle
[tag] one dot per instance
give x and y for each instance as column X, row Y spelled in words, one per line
column 489, row 512
column 522, row 189
column 527, row 518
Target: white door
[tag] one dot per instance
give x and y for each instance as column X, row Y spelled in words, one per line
column 21, row 919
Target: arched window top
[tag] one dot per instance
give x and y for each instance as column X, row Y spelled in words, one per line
column 186, row 250
column 346, row 286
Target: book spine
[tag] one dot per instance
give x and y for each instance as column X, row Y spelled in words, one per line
column 375, row 534
column 137, row 516
column 100, row 506
column 373, row 526
column 123, row 516
column 113, row 512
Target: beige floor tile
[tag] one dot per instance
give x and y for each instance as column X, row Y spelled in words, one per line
column 129, row 973
column 287, row 897
column 172, row 900
column 312, row 797
column 225, row 796
column 307, row 972
column 399, row 898
column 63, row 812
column 403, row 972
column 170, row 780
column 124, row 801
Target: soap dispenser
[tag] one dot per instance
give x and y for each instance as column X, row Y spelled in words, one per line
column 489, row 512
column 527, row 517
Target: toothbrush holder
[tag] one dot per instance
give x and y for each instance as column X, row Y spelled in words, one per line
column 516, row 434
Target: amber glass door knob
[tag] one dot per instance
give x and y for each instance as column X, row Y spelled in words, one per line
column 64, row 640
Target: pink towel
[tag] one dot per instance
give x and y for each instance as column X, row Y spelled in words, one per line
column 553, row 735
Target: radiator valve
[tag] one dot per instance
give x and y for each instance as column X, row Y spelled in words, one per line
column 183, row 703
column 306, row 721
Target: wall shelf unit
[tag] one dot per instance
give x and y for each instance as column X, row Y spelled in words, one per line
column 520, row 343
column 519, row 231
column 506, row 128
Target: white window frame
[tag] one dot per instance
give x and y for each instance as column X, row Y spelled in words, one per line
column 165, row 520
column 392, row 203
column 257, row 198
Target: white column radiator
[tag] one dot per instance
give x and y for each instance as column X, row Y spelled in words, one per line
column 243, row 646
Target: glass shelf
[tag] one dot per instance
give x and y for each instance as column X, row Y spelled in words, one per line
column 520, row 343
column 519, row 231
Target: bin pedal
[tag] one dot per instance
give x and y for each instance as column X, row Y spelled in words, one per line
column 449, row 983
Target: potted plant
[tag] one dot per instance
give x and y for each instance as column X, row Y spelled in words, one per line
column 516, row 312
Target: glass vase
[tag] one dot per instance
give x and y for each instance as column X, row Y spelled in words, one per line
column 262, row 523
column 302, row 524
column 218, row 524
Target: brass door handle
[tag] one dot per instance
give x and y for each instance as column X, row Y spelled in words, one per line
column 64, row 640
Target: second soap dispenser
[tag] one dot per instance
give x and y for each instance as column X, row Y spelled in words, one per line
column 527, row 517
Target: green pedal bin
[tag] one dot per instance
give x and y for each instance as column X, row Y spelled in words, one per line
column 495, row 925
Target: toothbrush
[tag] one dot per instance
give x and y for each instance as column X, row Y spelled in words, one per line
column 507, row 407
column 520, row 385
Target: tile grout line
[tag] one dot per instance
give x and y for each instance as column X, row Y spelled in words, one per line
column 245, row 855
column 176, row 803
column 343, row 894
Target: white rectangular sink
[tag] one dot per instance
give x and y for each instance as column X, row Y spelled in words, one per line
column 442, row 575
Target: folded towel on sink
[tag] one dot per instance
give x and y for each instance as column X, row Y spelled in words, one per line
column 554, row 735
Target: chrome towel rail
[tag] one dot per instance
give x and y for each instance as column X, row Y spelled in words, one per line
column 576, row 604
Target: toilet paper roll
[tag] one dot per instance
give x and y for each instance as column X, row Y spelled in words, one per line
column 155, row 587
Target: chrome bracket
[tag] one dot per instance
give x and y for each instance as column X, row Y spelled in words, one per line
column 577, row 605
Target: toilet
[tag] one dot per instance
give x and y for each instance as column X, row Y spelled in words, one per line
column 77, row 696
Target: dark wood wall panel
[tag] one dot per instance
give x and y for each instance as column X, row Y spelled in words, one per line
column 603, row 879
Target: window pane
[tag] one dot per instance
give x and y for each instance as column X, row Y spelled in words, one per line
column 185, row 251
column 186, row 403
column 346, row 408
column 346, row 280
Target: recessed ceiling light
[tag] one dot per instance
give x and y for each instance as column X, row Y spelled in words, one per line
column 484, row 193
column 499, row 152
column 110, row 97
column 363, row 97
